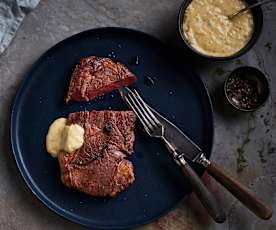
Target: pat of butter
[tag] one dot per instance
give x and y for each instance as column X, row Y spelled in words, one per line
column 72, row 138
column 63, row 137
column 54, row 136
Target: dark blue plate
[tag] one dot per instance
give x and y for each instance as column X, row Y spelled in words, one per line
column 177, row 93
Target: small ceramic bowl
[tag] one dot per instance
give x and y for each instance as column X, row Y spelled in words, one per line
column 258, row 24
column 246, row 89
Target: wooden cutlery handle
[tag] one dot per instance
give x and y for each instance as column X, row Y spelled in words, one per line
column 242, row 193
column 206, row 198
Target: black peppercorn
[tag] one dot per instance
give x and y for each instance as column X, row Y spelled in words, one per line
column 108, row 127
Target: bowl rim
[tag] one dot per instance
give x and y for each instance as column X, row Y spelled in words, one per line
column 261, row 75
column 257, row 17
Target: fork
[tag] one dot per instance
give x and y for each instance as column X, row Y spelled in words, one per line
column 154, row 128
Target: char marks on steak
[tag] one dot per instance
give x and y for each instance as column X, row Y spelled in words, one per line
column 99, row 167
column 95, row 76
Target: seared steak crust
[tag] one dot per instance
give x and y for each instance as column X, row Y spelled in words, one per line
column 99, row 167
column 95, row 76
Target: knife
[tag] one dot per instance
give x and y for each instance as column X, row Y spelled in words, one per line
column 183, row 144
column 156, row 131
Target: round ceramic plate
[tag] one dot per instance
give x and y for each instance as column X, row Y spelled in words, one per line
column 166, row 82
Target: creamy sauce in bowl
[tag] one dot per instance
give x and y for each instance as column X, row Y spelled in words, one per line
column 208, row 29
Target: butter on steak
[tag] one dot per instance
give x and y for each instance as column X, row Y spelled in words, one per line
column 95, row 76
column 99, row 167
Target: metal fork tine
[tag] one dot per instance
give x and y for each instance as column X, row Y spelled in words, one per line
column 142, row 109
column 147, row 108
column 147, row 125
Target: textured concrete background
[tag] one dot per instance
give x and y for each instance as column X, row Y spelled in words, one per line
column 250, row 134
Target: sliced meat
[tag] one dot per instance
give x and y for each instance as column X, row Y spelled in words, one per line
column 95, row 76
column 99, row 167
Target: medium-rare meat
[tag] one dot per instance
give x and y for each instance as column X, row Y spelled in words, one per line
column 95, row 76
column 99, row 167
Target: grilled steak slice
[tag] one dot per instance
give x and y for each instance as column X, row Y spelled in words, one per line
column 95, row 76
column 99, row 167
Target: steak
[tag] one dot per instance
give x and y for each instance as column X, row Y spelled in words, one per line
column 95, row 76
column 99, row 167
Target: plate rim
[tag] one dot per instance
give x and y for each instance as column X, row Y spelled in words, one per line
column 27, row 178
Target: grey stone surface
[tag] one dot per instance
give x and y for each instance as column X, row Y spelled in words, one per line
column 54, row 20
